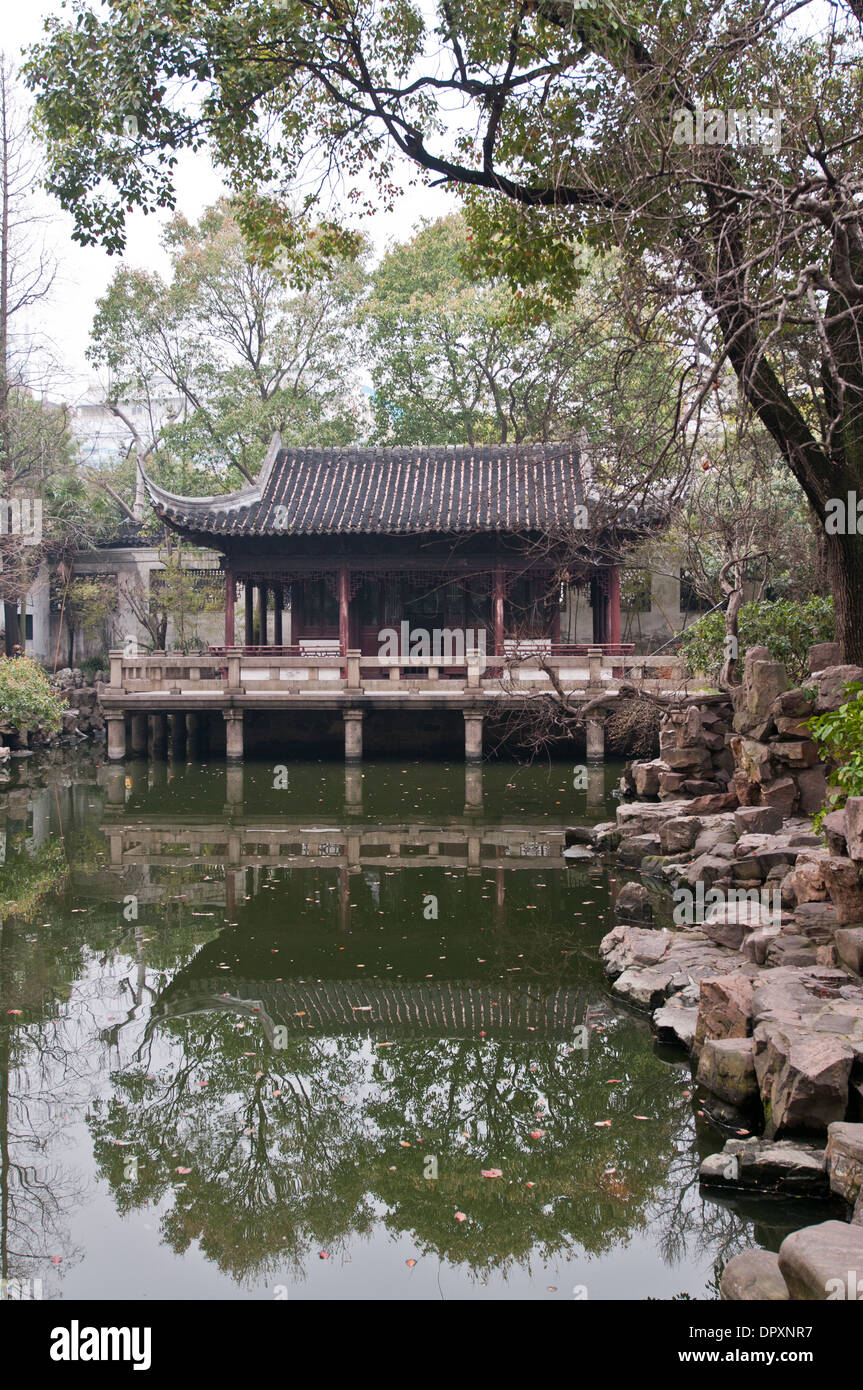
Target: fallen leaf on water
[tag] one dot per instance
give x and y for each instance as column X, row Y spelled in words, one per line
column 323, row 1255
column 57, row 1259
column 597, row 1124
column 537, row 1134
column 182, row 1170
column 614, row 1081
column 403, row 1143
column 642, row 1117
column 460, row 1216
column 13, row 1011
column 410, row 1263
column 492, row 1172
column 743, row 1131
column 530, row 1184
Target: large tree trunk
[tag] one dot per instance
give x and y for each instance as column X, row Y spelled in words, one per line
column 844, row 558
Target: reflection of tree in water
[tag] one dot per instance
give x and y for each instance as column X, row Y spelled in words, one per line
column 54, row 966
column 693, row 1228
column 291, row 1151
column 475, row 1105
column 39, row 1066
column 276, row 1158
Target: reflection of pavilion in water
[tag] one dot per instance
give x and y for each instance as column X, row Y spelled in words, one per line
column 237, row 841
column 240, row 849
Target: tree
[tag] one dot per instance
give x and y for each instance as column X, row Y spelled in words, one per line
column 174, row 593
column 222, row 354
column 452, row 361
column 26, row 275
column 745, row 522
column 659, row 133
column 91, row 601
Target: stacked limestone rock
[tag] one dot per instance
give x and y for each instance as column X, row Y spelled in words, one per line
column 817, row 1263
column 753, row 747
column 763, row 986
column 694, row 756
column 83, row 717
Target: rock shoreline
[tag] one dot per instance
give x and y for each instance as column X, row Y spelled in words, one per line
column 740, row 931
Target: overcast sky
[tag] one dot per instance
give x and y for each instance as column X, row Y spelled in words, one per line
column 84, row 272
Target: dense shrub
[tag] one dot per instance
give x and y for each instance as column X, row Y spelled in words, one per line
column 26, row 699
column 787, row 628
column 839, row 736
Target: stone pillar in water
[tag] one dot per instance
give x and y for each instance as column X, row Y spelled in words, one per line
column 353, row 735
column 116, row 737
column 234, row 733
column 472, row 737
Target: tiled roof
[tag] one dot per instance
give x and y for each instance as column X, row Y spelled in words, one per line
column 404, row 491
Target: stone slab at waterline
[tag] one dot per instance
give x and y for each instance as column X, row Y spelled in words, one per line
column 845, row 1161
column 753, row 1277
column 817, row 1262
column 805, row 1022
column 781, row 1167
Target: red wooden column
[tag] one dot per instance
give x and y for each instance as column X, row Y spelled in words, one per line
column 229, row 607
column 344, row 610
column 498, row 611
column 613, row 609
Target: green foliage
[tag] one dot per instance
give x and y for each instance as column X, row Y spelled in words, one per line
column 90, row 602
column 786, row 627
column 839, row 736
column 179, row 594
column 744, row 507
column 229, row 349
column 26, row 698
column 26, row 878
column 453, row 361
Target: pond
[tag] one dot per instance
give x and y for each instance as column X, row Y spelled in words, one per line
column 313, row 1032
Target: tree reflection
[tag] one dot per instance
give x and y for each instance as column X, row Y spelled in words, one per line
column 297, row 1150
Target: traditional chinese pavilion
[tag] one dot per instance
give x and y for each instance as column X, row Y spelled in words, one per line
column 336, row 545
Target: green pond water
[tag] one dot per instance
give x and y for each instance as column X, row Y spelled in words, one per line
column 262, row 1030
